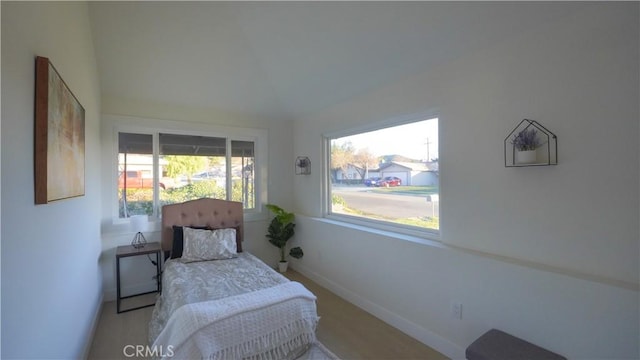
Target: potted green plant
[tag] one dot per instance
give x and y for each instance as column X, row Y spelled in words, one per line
column 281, row 229
column 525, row 143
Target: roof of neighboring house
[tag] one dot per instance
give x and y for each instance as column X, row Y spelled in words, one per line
column 356, row 166
column 396, row 158
column 413, row 166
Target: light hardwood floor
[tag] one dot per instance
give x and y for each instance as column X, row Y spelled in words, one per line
column 352, row 333
column 345, row 329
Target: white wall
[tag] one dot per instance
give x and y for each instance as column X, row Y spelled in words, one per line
column 51, row 282
column 549, row 254
column 136, row 273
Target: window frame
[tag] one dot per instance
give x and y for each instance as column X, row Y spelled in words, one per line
column 379, row 225
column 155, row 127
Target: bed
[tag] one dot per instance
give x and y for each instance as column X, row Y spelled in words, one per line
column 231, row 307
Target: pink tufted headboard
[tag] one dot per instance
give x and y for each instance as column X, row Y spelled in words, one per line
column 212, row 213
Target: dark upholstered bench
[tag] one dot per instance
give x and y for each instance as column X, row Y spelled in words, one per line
column 498, row 345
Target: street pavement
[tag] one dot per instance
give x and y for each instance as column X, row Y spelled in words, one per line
column 389, row 205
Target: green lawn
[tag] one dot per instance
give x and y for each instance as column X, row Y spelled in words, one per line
column 407, row 190
column 424, row 222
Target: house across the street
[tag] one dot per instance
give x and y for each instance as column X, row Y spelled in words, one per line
column 410, row 173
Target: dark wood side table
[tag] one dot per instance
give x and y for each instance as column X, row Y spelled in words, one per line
column 128, row 250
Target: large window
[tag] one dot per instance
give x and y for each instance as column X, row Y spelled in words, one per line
column 180, row 168
column 387, row 176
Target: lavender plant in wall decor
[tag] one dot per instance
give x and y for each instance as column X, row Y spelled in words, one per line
column 526, row 142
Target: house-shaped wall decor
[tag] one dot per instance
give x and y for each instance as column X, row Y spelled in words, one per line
column 530, row 144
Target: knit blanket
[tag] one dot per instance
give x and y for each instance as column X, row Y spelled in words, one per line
column 188, row 283
column 274, row 323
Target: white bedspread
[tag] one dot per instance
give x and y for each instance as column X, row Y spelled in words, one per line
column 273, row 323
column 198, row 298
column 195, row 282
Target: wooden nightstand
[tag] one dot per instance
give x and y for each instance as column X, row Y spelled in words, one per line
column 128, row 250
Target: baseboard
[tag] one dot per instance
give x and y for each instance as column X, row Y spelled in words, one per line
column 408, row 327
column 94, row 327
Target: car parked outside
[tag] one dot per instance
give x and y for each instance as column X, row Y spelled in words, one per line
column 390, row 181
column 373, row 181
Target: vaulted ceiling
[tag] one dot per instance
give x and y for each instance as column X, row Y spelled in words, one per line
column 288, row 59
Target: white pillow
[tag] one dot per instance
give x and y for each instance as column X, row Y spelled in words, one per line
column 202, row 245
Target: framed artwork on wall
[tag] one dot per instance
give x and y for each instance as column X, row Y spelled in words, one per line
column 59, row 149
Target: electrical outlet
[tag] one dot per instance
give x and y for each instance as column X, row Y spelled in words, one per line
column 456, row 310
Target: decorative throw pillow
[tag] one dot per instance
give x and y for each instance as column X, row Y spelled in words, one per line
column 200, row 245
column 178, row 240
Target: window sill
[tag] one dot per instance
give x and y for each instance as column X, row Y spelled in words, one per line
column 400, row 233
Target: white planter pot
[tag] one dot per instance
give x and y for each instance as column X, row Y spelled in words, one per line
column 526, row 157
column 282, row 266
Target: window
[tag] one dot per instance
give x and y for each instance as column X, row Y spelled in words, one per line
column 135, row 175
column 181, row 168
column 387, row 176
